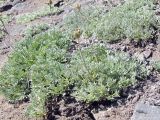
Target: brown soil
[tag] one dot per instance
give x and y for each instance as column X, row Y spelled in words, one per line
column 13, row 112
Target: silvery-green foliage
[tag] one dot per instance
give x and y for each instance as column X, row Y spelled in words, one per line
column 134, row 20
column 86, row 20
column 16, row 75
column 100, row 74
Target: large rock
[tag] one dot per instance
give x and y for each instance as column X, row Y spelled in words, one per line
column 146, row 112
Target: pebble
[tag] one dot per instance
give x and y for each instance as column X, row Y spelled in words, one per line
column 139, row 56
column 135, row 99
column 147, row 54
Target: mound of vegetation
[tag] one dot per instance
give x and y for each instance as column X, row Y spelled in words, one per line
column 86, row 19
column 42, row 67
column 99, row 73
column 24, row 56
column 133, row 20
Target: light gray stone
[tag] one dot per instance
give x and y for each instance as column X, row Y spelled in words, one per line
column 147, row 54
column 146, row 112
column 139, row 56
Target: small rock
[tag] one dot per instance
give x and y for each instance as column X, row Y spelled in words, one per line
column 130, row 97
column 158, row 90
column 158, row 47
column 157, row 103
column 153, row 88
column 158, row 40
column 139, row 56
column 135, row 99
column 149, row 69
column 151, row 47
column 101, row 115
column 151, row 44
column 147, row 54
column 158, row 12
column 127, row 42
column 124, row 48
column 145, row 87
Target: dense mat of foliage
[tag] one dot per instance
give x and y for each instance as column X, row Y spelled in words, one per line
column 43, row 67
column 99, row 74
column 86, row 19
column 15, row 78
column 135, row 19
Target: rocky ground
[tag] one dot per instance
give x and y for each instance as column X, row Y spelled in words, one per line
column 140, row 102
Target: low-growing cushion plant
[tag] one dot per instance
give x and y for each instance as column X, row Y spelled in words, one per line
column 135, row 20
column 15, row 77
column 85, row 19
column 42, row 67
column 98, row 73
column 94, row 73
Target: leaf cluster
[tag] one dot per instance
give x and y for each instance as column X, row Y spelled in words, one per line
column 86, row 20
column 134, row 20
column 100, row 74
